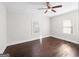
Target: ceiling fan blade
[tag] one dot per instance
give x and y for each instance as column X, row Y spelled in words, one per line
column 53, row 10
column 48, row 5
column 45, row 12
column 57, row 6
column 41, row 8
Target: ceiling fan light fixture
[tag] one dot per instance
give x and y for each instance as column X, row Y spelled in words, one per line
column 49, row 9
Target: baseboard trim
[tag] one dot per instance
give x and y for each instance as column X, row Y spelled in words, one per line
column 27, row 40
column 3, row 50
column 42, row 37
column 66, row 39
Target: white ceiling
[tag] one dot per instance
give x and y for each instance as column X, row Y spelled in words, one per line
column 32, row 7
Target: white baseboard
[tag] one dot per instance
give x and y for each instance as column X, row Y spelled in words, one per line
column 18, row 42
column 73, row 41
column 2, row 51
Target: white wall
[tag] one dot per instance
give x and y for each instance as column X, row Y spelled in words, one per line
column 3, row 28
column 57, row 27
column 20, row 27
column 20, row 21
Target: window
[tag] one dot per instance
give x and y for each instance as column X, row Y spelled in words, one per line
column 67, row 26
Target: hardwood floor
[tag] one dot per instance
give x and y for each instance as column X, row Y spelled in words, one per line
column 50, row 47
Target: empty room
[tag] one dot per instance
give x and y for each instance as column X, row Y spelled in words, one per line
column 39, row 29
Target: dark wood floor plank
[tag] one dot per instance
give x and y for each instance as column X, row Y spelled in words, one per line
column 50, row 47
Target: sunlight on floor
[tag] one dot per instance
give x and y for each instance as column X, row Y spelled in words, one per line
column 66, row 51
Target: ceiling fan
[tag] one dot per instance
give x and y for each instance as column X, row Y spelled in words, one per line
column 50, row 7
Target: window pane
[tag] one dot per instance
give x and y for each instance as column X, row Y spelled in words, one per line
column 67, row 23
column 67, row 30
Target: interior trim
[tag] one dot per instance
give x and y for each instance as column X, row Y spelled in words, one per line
column 9, row 44
column 73, row 41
